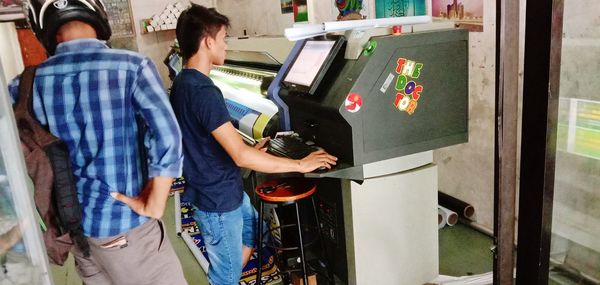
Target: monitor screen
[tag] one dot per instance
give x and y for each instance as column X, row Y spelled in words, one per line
column 310, row 62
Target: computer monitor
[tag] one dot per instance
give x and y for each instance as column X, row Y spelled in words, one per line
column 310, row 65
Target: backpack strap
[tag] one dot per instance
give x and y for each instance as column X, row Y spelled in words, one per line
column 23, row 109
column 24, row 104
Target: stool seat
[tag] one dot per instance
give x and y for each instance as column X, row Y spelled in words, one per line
column 285, row 190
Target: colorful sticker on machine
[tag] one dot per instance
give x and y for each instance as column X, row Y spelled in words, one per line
column 353, row 102
column 408, row 91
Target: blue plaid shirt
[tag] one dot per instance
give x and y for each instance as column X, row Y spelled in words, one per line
column 88, row 95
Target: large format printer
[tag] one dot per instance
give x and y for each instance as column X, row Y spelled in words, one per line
column 381, row 104
column 381, row 107
column 250, row 66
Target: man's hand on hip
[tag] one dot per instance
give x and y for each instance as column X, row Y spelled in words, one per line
column 152, row 200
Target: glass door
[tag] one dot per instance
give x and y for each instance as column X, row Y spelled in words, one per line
column 23, row 258
column 575, row 243
column 559, row 198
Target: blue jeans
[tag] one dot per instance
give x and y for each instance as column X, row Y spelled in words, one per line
column 224, row 234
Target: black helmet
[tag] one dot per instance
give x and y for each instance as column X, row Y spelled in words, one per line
column 46, row 17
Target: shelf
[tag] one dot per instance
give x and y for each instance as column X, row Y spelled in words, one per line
column 147, row 27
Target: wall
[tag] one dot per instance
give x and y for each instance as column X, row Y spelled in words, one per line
column 466, row 171
column 263, row 17
column 156, row 45
column 10, row 53
column 257, row 17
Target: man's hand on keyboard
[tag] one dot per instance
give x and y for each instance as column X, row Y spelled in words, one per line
column 262, row 144
column 317, row 160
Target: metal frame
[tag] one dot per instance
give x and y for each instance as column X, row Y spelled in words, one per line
column 543, row 41
column 505, row 150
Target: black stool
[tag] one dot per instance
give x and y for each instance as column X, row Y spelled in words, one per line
column 285, row 192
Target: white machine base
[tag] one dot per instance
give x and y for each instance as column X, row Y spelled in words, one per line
column 391, row 228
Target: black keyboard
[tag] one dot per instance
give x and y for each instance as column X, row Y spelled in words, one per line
column 290, row 147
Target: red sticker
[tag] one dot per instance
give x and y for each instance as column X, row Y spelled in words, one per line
column 353, row 102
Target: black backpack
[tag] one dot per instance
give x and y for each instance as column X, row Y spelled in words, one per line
column 49, row 166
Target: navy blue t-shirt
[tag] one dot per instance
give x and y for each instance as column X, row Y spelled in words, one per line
column 213, row 180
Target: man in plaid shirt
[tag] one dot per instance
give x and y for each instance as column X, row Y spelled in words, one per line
column 89, row 95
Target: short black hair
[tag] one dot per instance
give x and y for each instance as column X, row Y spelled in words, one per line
column 194, row 24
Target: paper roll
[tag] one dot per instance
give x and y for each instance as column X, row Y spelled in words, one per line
column 450, row 217
column 464, row 209
column 441, row 222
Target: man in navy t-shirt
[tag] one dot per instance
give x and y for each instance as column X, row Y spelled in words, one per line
column 214, row 151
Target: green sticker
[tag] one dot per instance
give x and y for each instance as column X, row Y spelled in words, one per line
column 370, row 47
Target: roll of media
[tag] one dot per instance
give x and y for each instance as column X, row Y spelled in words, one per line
column 450, row 217
column 464, row 209
column 441, row 222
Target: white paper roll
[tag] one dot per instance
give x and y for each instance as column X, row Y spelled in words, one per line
column 450, row 217
column 441, row 221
